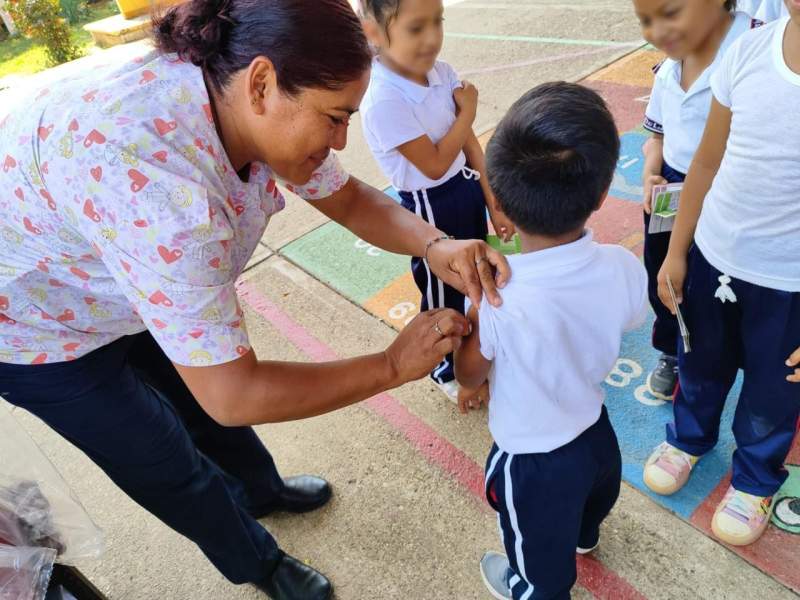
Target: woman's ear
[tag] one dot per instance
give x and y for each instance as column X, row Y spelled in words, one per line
column 261, row 82
column 373, row 31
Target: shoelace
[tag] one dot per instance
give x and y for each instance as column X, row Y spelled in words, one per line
column 745, row 505
column 673, row 459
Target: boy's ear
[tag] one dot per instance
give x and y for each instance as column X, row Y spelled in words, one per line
column 602, row 200
column 372, row 30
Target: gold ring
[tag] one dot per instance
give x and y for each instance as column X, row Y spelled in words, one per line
column 438, row 329
column 480, row 260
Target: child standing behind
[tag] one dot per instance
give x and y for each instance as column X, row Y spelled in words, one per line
column 695, row 34
column 554, row 471
column 417, row 119
column 734, row 258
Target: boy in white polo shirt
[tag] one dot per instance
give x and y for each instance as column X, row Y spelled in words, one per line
column 554, row 471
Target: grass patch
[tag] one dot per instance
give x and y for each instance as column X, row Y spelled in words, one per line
column 21, row 56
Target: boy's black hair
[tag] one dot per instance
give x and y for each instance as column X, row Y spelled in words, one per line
column 552, row 158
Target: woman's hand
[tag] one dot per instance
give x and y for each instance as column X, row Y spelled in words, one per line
column 794, row 361
column 467, row 265
column 674, row 267
column 649, row 182
column 424, row 342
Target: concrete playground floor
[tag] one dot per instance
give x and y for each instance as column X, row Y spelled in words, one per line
column 407, row 520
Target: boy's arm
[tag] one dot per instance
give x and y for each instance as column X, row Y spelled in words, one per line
column 476, row 159
column 698, row 182
column 471, row 367
column 653, row 162
column 434, row 160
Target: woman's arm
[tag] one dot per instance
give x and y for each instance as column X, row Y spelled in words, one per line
column 476, row 160
column 247, row 391
column 374, row 217
column 701, row 175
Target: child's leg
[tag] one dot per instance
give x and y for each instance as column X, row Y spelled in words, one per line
column 769, row 406
column 665, row 326
column 708, row 371
column 540, row 499
column 605, row 492
column 459, row 209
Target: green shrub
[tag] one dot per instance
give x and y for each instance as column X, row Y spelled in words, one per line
column 74, row 11
column 42, row 21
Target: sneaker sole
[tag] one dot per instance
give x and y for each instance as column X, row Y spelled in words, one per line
column 658, row 395
column 583, row 551
column 491, row 590
column 661, row 490
column 737, row 541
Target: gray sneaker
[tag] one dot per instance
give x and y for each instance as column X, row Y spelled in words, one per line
column 495, row 571
column 663, row 380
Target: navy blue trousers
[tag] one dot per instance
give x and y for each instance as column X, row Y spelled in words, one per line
column 757, row 333
column 665, row 326
column 550, row 503
column 458, row 208
column 128, row 410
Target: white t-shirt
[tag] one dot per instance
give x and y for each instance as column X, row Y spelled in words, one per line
column 750, row 224
column 681, row 115
column 396, row 110
column 555, row 338
column 770, row 10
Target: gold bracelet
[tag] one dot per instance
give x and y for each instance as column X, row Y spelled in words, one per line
column 435, row 241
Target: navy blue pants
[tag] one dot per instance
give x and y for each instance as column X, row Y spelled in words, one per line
column 458, row 208
column 129, row 411
column 757, row 333
column 550, row 503
column 665, row 326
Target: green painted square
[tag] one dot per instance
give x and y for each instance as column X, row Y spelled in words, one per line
column 351, row 266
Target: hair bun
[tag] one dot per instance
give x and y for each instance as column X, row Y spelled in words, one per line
column 195, row 30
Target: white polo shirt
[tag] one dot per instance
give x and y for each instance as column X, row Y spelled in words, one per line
column 396, row 110
column 681, row 115
column 555, row 339
column 749, row 227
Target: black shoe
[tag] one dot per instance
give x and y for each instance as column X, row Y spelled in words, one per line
column 292, row 580
column 300, row 494
column 663, row 380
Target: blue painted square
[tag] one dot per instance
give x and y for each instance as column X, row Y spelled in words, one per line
column 627, row 183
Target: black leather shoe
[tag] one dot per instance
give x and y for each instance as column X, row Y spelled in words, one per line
column 292, row 580
column 300, row 494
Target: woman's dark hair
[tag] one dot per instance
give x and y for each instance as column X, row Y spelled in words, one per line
column 730, row 5
column 382, row 11
column 312, row 43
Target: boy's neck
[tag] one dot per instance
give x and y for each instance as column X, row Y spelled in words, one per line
column 707, row 51
column 535, row 242
column 396, row 68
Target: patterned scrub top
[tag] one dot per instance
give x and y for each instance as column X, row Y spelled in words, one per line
column 120, row 213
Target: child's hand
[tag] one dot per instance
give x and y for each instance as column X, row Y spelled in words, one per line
column 466, row 99
column 794, row 361
column 502, row 226
column 472, row 399
column 649, row 182
column 674, row 267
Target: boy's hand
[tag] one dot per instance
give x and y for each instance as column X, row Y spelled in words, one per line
column 472, row 399
column 794, row 361
column 502, row 226
column 466, row 99
column 649, row 182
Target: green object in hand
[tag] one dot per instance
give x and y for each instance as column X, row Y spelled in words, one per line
column 513, row 246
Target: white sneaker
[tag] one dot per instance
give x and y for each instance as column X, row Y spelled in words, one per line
column 449, row 389
column 580, row 550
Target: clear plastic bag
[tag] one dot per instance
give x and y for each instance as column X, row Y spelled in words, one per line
column 37, row 507
column 25, row 572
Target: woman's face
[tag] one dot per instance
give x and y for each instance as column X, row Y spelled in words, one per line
column 294, row 135
column 677, row 27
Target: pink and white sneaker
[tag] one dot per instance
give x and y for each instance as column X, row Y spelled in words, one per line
column 668, row 469
column 741, row 518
